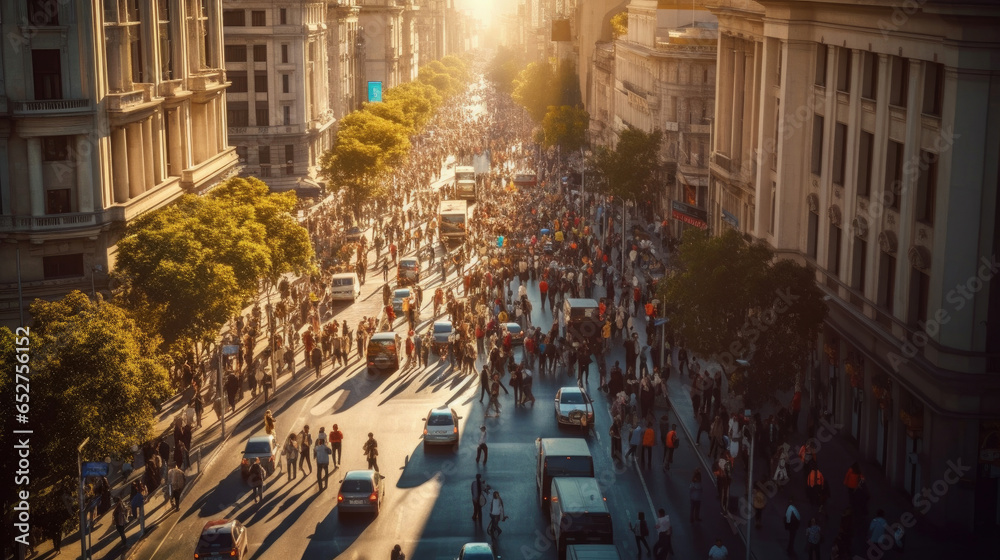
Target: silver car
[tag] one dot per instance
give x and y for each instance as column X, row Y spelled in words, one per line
column 397, row 300
column 361, row 491
column 574, row 407
column 264, row 448
column 441, row 426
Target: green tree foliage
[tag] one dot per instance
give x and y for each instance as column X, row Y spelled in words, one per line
column 417, row 100
column 731, row 301
column 95, row 375
column 504, row 69
column 566, row 127
column 619, row 24
column 533, row 89
column 568, row 84
column 629, row 170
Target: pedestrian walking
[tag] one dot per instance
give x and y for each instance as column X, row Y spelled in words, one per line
column 175, row 485
column 635, row 440
column 672, row 442
column 878, row 528
column 718, row 551
column 641, row 530
column 496, row 515
column 322, row 453
column 694, row 494
column 814, row 534
column 616, row 439
column 397, row 553
column 792, row 520
column 305, row 448
column 663, row 547
column 482, row 449
column 336, row 441
column 478, row 498
column 256, row 480
column 648, row 441
column 121, row 519
column 759, row 502
column 290, row 451
column 370, row 450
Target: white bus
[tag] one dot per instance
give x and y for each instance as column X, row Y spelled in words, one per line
column 453, row 220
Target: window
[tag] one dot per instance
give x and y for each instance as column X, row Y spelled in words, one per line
column 43, row 13
column 817, row 145
column 166, row 40
column 821, row 55
column 235, row 53
column 55, row 148
column 284, row 83
column 866, row 148
column 833, row 251
column 289, row 159
column 260, row 81
column 260, row 53
column 284, row 54
column 57, row 201
column 237, row 113
column 859, row 264
column 886, row 281
column 844, row 69
column 286, row 115
column 262, row 114
column 898, row 81
column 234, row 18
column 893, row 175
column 839, row 153
column 46, row 67
column 239, row 80
column 927, row 187
column 264, row 155
column 869, row 75
column 812, row 240
column 920, row 285
column 283, row 16
column 62, row 266
column 933, row 79
column 242, row 153
column 258, row 18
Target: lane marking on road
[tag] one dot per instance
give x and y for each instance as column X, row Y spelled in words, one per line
column 642, row 480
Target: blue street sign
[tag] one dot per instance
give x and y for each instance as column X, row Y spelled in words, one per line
column 95, row 468
column 660, row 321
column 375, row 92
column 230, row 349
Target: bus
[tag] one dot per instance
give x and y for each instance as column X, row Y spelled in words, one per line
column 579, row 514
column 465, row 173
column 466, row 190
column 453, row 219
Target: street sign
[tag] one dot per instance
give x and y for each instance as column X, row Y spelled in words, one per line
column 94, row 468
column 230, row 349
column 660, row 321
column 375, row 92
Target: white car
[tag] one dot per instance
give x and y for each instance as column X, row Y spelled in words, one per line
column 441, row 426
column 574, row 407
column 345, row 286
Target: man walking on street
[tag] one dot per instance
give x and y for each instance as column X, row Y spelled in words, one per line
column 482, row 449
column 478, row 498
column 322, row 453
column 718, row 552
column 635, row 440
column 792, row 520
column 672, row 442
column 256, row 478
column 371, row 452
column 663, row 546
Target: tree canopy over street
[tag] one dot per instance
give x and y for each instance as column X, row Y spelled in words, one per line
column 731, row 301
column 565, row 126
column 629, row 169
column 541, row 85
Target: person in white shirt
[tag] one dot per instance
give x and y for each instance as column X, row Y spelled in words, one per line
column 719, row 551
column 663, row 546
column 482, row 449
column 496, row 515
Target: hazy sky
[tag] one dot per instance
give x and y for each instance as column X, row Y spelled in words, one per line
column 486, row 10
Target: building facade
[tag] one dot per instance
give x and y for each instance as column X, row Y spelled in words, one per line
column 862, row 141
column 381, row 27
column 107, row 110
column 279, row 113
column 345, row 51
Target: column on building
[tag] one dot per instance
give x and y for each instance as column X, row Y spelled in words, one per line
column 119, row 164
column 136, row 169
column 36, row 184
column 148, row 154
column 211, row 127
column 175, row 142
column 159, row 153
column 197, row 121
column 908, row 192
column 84, row 173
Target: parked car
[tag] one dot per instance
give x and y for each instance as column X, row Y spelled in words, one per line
column 397, row 300
column 361, row 491
column 263, row 447
column 222, row 538
column 574, row 407
column 476, row 551
column 516, row 334
column 442, row 331
column 441, row 426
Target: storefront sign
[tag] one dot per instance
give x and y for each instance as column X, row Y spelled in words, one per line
column 689, row 214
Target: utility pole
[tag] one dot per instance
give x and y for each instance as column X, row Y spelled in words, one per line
column 83, row 510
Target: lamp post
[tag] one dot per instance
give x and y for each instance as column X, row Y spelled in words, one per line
column 83, row 511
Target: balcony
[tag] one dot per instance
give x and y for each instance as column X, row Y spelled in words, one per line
column 47, row 223
column 128, row 101
column 49, row 107
column 266, row 130
column 208, row 80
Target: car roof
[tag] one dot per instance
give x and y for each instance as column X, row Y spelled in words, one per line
column 571, row 389
column 264, row 438
column 383, row 336
column 364, row 474
column 565, row 446
column 219, row 526
column 401, row 292
column 442, row 410
column 510, row 326
column 345, row 275
column 442, row 323
column 408, row 259
column 477, row 547
column 581, row 302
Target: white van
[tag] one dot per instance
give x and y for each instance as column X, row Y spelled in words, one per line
column 345, row 285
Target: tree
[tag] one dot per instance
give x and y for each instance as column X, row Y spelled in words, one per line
column 629, row 170
column 566, row 127
column 567, row 84
column 417, row 100
column 619, row 24
column 533, row 89
column 731, row 301
column 504, row 69
column 96, row 375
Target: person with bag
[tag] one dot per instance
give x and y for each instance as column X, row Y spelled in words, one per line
column 370, row 450
column 120, row 519
column 496, row 515
column 175, row 485
column 663, row 547
column 478, row 498
column 291, row 453
column 305, row 448
column 641, row 531
column 256, row 479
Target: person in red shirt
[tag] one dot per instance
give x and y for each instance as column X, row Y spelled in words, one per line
column 543, row 288
column 336, row 437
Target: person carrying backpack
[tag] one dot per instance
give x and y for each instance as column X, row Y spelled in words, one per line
column 641, row 530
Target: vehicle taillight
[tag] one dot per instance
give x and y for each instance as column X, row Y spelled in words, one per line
column 373, row 497
column 196, row 557
column 371, row 364
column 340, row 497
column 232, row 553
column 425, row 431
column 455, row 430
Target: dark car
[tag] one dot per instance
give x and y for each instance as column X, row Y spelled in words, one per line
column 516, row 334
column 383, row 352
column 361, row 491
column 354, row 234
column 476, row 551
column 262, row 447
column 222, row 538
column 442, row 332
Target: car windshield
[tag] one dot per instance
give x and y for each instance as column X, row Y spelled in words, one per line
column 513, row 329
column 215, row 541
column 400, row 294
column 443, row 328
column 343, row 281
column 257, row 447
column 408, row 265
column 572, row 398
column 356, row 486
column 439, row 419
